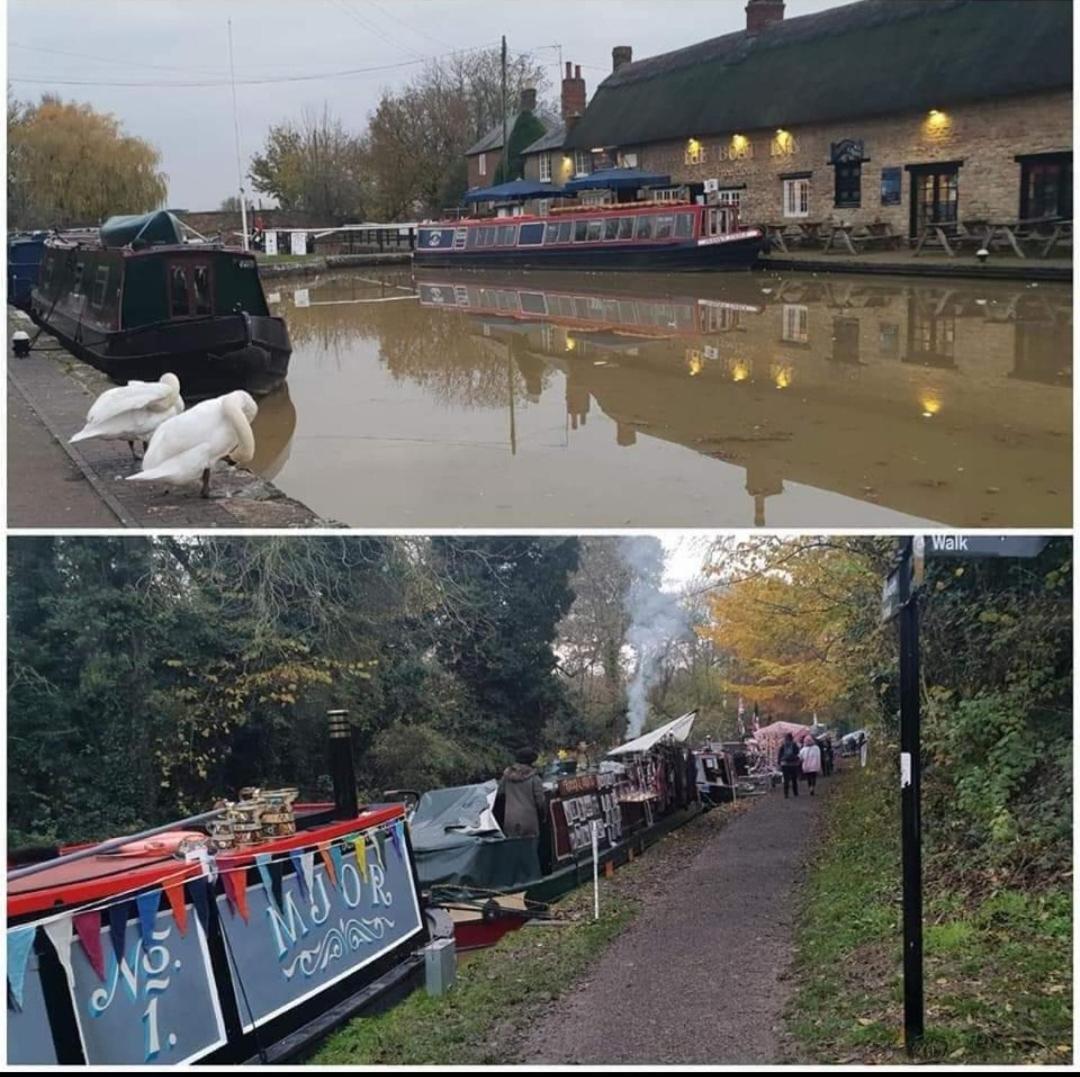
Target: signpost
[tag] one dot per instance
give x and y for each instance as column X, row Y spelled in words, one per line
column 899, row 596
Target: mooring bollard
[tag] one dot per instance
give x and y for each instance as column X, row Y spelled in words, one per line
column 440, row 966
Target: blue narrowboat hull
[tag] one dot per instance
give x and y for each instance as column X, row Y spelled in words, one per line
column 722, row 253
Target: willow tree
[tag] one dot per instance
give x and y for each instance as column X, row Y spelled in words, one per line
column 70, row 165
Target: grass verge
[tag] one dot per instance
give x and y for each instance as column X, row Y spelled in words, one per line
column 499, row 991
column 998, row 972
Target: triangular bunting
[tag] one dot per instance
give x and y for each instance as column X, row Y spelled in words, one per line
column 327, row 859
column 59, row 934
column 262, row 862
column 88, row 928
column 118, row 918
column 199, row 891
column 298, row 871
column 361, row 855
column 147, row 906
column 338, row 856
column 398, row 838
column 236, row 888
column 174, row 891
column 277, row 881
column 20, row 941
column 380, row 844
column 307, row 864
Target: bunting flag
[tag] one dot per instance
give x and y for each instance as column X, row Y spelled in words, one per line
column 236, row 889
column 262, row 862
column 360, row 846
column 147, row 906
column 88, row 928
column 380, row 844
column 338, row 858
column 59, row 934
column 277, row 882
column 20, row 941
column 118, row 918
column 296, row 859
column 307, row 863
column 398, row 838
column 199, row 891
column 328, row 863
column 174, row 891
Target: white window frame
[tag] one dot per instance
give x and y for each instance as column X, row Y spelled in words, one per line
column 545, row 168
column 729, row 196
column 797, row 198
column 582, row 160
column 628, row 160
column 543, row 207
column 481, row 164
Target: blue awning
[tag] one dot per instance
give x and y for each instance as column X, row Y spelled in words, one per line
column 618, row 179
column 515, row 191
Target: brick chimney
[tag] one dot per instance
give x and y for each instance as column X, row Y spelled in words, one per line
column 573, row 93
column 620, row 56
column 761, row 14
column 528, row 99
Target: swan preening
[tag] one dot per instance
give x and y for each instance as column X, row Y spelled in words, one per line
column 133, row 412
column 185, row 447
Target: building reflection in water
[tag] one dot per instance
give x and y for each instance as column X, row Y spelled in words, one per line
column 946, row 401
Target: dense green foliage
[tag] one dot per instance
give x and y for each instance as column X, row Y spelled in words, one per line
column 526, row 130
column 997, row 966
column 149, row 676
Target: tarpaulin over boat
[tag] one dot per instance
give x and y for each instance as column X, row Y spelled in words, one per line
column 456, row 841
column 679, row 730
column 142, row 230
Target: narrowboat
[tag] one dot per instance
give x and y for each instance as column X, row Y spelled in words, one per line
column 136, row 301
column 465, row 864
column 243, row 934
column 656, row 235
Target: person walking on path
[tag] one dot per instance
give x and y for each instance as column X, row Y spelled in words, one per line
column 789, row 758
column 810, row 758
column 519, row 808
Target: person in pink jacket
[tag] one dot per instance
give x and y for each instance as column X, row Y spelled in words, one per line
column 810, row 758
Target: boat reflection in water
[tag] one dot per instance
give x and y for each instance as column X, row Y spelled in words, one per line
column 861, row 400
column 273, row 428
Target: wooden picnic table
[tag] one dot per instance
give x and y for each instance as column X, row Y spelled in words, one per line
column 1061, row 233
column 947, row 234
column 854, row 237
column 1045, row 231
column 781, row 233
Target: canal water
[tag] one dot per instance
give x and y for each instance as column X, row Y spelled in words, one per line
column 453, row 399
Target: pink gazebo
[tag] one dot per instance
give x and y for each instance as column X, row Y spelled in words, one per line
column 769, row 738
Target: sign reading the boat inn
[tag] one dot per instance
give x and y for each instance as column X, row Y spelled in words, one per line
column 157, row 1003
column 330, row 913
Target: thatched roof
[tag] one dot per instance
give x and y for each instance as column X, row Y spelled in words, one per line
column 869, row 58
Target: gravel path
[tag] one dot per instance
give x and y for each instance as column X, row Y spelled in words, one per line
column 701, row 975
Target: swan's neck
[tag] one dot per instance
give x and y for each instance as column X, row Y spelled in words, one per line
column 245, row 437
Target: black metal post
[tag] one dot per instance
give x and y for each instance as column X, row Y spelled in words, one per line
column 911, row 821
column 342, row 771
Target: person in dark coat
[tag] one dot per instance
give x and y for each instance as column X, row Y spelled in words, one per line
column 520, row 809
column 790, row 764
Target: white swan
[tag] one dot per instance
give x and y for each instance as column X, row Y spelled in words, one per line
column 186, row 447
column 133, row 412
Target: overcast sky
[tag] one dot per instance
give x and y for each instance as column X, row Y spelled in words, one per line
column 163, row 41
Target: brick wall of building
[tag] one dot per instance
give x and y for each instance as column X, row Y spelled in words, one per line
column 985, row 136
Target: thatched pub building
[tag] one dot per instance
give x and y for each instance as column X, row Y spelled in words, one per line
column 881, row 111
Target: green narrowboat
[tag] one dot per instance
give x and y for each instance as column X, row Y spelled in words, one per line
column 136, row 301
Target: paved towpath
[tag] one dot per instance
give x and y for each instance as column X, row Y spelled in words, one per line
column 702, row 975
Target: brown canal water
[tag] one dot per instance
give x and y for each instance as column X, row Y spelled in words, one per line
column 607, row 400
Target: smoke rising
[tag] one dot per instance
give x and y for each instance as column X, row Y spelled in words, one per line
column 656, row 620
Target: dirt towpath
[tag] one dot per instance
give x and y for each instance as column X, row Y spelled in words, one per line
column 702, row 975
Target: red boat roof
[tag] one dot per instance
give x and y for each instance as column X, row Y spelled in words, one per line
column 99, row 877
column 620, row 209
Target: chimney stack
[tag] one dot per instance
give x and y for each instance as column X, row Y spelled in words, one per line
column 528, row 99
column 620, row 56
column 761, row 14
column 342, row 771
column 573, row 93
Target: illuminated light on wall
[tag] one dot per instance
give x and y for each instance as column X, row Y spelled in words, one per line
column 937, row 121
column 931, row 404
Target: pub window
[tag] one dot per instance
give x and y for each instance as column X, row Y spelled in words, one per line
column 797, row 197
column 684, row 225
column 1046, row 186
column 580, row 230
column 100, row 283
column 644, row 228
column 581, row 163
column 664, row 227
column 730, row 197
column 890, row 186
column 628, row 160
column 626, row 228
column 543, row 207
column 481, row 164
column 545, row 168
column 848, row 185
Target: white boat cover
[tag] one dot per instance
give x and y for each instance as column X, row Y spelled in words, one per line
column 679, row 729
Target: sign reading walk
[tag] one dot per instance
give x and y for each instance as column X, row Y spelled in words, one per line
column 985, row 545
column 283, row 953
